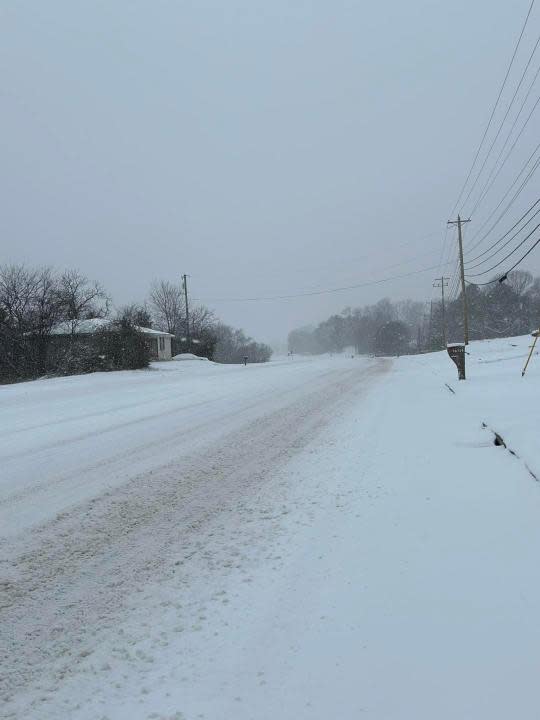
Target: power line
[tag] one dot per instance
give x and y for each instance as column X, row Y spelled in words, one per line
column 443, row 246
column 484, row 272
column 492, row 178
column 454, row 283
column 489, row 282
column 493, row 110
column 450, row 251
column 513, row 199
column 454, row 260
column 413, row 258
column 320, row 292
column 504, row 276
column 529, row 251
column 493, row 245
column 490, row 257
column 503, row 120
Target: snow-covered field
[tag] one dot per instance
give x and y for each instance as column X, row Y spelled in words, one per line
column 312, row 538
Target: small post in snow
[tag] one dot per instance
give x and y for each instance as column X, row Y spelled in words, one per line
column 536, row 335
column 457, row 354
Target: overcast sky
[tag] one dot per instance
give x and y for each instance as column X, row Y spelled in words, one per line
column 262, row 147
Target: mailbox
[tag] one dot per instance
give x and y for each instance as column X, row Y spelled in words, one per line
column 457, row 353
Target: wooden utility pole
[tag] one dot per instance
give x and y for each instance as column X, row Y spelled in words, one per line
column 442, row 282
column 459, row 222
column 188, row 331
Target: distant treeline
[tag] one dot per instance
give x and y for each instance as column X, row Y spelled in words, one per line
column 394, row 328
column 34, row 301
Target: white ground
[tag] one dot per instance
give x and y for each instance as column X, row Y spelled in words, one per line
column 326, row 538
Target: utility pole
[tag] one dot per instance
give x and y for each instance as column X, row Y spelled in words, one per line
column 430, row 321
column 425, row 332
column 442, row 283
column 459, row 222
column 188, row 331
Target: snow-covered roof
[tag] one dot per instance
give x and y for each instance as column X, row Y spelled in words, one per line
column 80, row 327
column 92, row 325
column 152, row 331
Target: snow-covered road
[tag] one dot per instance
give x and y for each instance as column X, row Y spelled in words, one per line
column 326, row 538
column 70, row 439
column 109, row 480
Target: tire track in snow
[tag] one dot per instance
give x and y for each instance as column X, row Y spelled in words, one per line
column 121, row 462
column 69, row 582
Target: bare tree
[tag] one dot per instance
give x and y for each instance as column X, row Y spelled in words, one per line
column 47, row 307
column 136, row 314
column 520, row 281
column 167, row 305
column 81, row 298
column 202, row 320
column 18, row 285
column 31, row 305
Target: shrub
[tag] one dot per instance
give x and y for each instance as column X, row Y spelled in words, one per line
column 120, row 346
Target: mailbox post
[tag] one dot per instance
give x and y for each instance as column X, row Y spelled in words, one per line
column 457, row 353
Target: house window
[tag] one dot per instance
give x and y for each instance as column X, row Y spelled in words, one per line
column 162, row 343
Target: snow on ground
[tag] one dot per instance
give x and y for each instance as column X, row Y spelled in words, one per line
column 353, row 545
column 69, row 439
column 189, row 356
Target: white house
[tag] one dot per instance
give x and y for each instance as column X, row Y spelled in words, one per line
column 159, row 341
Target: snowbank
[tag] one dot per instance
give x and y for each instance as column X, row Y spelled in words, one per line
column 189, row 356
column 494, row 394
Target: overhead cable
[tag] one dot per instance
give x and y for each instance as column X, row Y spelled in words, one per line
column 504, row 276
column 484, row 272
column 493, row 177
column 501, row 125
column 494, row 109
column 497, row 242
column 510, row 203
column 320, row 292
